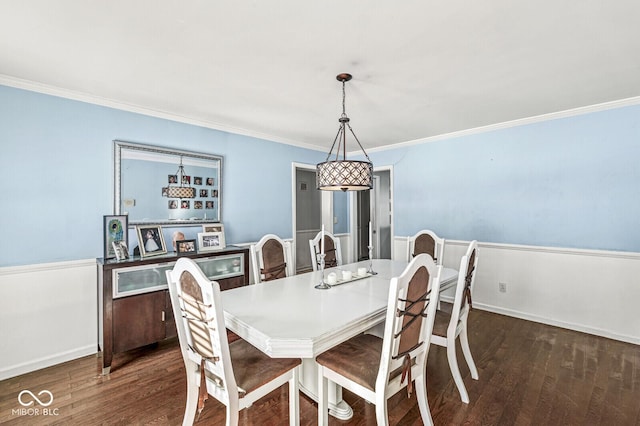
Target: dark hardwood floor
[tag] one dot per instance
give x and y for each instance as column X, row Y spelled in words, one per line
column 530, row 374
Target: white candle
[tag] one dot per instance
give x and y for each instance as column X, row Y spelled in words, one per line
column 370, row 235
column 322, row 240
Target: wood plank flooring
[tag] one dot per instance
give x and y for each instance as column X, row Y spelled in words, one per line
column 530, row 374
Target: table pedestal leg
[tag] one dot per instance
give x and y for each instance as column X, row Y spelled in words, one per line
column 338, row 408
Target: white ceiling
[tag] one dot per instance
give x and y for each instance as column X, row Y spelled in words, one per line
column 421, row 68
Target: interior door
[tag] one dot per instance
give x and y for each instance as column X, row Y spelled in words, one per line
column 308, row 215
column 375, row 207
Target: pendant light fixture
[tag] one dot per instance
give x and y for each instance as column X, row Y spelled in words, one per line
column 340, row 173
column 180, row 191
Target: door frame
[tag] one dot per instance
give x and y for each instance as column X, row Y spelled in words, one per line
column 326, row 203
column 353, row 215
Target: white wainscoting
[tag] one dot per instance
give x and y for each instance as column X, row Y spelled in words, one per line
column 48, row 315
column 592, row 291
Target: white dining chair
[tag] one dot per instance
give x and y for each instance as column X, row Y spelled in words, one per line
column 332, row 251
column 375, row 368
column 426, row 241
column 449, row 326
column 271, row 258
column 236, row 374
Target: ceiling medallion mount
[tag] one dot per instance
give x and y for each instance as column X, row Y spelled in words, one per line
column 344, row 77
column 341, row 174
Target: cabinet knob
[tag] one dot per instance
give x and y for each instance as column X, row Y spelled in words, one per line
column 163, row 316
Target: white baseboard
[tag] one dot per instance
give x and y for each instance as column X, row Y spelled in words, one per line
column 567, row 325
column 48, row 361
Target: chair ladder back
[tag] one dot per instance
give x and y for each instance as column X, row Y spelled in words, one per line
column 425, row 243
column 198, row 318
column 411, row 310
column 201, row 329
column 468, row 279
column 410, row 317
column 274, row 263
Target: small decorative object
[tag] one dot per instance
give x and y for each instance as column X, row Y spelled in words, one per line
column 177, row 236
column 236, row 265
column 210, row 241
column 121, row 250
column 151, row 240
column 186, row 246
column 115, row 228
column 323, row 284
column 371, row 271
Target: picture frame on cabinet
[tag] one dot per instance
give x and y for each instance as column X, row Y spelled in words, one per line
column 213, row 227
column 185, row 247
column 210, row 241
column 115, row 228
column 151, row 240
column 121, row 250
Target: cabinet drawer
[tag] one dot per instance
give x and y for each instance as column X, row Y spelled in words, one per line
column 140, row 279
column 221, row 267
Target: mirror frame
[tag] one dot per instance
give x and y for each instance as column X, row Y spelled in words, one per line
column 119, row 145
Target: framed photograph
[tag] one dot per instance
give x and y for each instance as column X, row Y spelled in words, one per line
column 115, row 228
column 197, row 180
column 208, row 204
column 121, row 250
column 151, row 240
column 185, row 246
column 210, row 181
column 210, row 241
column 204, row 193
column 213, row 227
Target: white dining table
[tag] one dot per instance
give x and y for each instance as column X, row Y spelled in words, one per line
column 290, row 318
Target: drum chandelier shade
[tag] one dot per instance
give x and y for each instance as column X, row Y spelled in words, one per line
column 340, row 173
column 180, row 191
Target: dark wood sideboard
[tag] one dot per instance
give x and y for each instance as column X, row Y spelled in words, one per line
column 134, row 304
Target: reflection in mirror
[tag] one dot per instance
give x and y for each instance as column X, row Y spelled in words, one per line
column 340, row 212
column 146, row 176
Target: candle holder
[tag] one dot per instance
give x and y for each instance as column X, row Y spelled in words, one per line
column 371, row 271
column 323, row 285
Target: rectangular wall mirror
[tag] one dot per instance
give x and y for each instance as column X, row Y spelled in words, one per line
column 148, row 180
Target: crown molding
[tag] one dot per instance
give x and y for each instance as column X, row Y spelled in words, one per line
column 32, row 86
column 515, row 123
column 110, row 103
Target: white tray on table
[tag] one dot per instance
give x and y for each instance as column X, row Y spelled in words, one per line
column 354, row 277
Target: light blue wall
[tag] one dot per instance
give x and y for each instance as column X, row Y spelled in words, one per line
column 571, row 182
column 57, row 167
